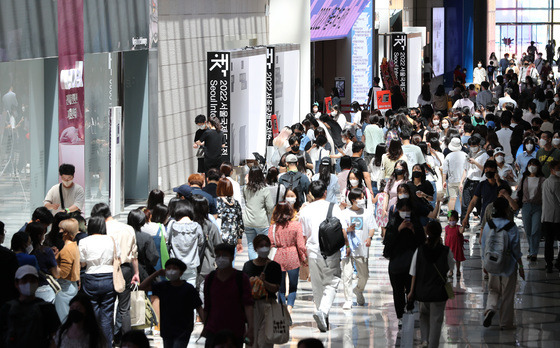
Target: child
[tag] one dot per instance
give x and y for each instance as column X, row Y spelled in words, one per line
column 177, row 299
column 454, row 240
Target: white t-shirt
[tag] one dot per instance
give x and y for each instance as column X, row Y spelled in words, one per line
column 310, row 218
column 236, row 191
column 364, row 222
column 473, row 171
column 97, row 252
column 73, row 195
column 413, row 155
column 532, row 185
column 454, row 166
column 504, row 136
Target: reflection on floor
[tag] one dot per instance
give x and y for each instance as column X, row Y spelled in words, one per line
column 375, row 324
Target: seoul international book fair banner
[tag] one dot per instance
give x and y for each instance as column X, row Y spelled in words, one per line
column 219, row 92
column 71, row 120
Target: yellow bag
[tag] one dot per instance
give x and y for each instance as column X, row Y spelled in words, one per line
column 257, row 288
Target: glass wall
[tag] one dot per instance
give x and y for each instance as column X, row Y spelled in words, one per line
column 518, row 22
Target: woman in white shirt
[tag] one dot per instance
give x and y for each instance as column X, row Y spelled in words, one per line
column 96, row 255
column 226, row 169
column 530, row 194
column 479, row 75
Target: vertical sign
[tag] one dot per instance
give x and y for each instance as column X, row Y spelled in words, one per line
column 71, row 85
column 438, row 39
column 270, row 89
column 219, row 71
column 398, row 45
column 362, row 44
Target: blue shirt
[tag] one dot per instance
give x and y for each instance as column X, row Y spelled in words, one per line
column 211, row 200
column 523, row 158
column 514, row 245
column 26, row 259
column 332, row 189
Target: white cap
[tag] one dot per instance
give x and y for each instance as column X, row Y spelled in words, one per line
column 26, row 270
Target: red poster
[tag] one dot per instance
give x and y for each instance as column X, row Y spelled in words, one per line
column 383, row 100
column 71, row 85
column 328, row 105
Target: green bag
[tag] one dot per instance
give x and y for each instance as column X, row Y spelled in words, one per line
column 163, row 248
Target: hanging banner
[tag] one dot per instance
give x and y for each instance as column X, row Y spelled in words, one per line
column 398, row 46
column 383, row 100
column 218, row 97
column 270, row 92
column 71, row 86
column 333, row 19
column 362, row 53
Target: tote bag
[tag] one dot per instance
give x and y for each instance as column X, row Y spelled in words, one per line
column 277, row 323
column 118, row 278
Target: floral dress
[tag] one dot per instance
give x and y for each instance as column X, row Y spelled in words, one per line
column 231, row 216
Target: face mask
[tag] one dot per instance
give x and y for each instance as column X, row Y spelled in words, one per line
column 172, row 274
column 291, row 200
column 490, row 175
column 452, row 223
column 479, row 65
column 556, row 141
column 556, row 99
column 334, row 113
column 29, row 249
column 315, row 110
column 222, row 262
column 532, row 169
column 295, row 148
column 405, row 215
column 474, row 149
column 28, row 289
column 361, row 203
column 67, row 183
column 201, row 127
column 529, row 147
column 399, row 171
column 403, row 196
column 500, row 159
column 436, row 122
column 263, row 252
column 75, row 316
column 416, row 174
column 536, row 128
column 445, row 125
column 354, row 183
column 490, row 153
column 542, row 143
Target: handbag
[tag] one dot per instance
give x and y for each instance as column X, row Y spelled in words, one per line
column 407, row 331
column 118, row 278
column 277, row 323
column 137, row 307
column 53, row 283
column 200, row 152
column 448, row 286
column 273, row 250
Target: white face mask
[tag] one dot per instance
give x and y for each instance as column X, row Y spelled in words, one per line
column 500, row 159
column 315, row 109
column 436, row 122
column 452, row 223
column 529, row 147
column 263, row 252
column 222, row 262
column 202, row 126
column 172, row 274
column 67, row 183
column 542, row 143
column 445, row 125
column 404, row 214
column 556, row 99
column 29, row 249
column 532, row 169
column 291, row 200
column 556, row 141
column 354, row 182
column 403, row 196
column 28, row 289
column 479, row 65
column 361, row 203
column 474, row 149
column 334, row 113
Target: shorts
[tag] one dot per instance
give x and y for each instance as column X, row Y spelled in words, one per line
column 453, row 189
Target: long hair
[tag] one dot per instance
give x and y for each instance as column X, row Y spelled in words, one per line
column 526, row 173
column 298, row 202
column 91, row 326
column 380, row 149
column 433, row 230
column 395, row 150
column 215, row 122
column 325, row 173
column 200, row 208
column 283, row 213
column 358, row 174
column 440, row 91
column 155, row 197
column 394, row 176
column 256, row 179
column 426, row 94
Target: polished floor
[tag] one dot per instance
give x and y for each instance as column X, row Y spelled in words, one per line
column 537, row 312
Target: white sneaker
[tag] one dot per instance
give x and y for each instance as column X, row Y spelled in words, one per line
column 359, row 297
column 400, row 323
column 347, row 305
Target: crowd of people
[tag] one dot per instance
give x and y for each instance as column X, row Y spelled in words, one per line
column 473, row 159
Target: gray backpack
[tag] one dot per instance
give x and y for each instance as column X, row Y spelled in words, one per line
column 496, row 250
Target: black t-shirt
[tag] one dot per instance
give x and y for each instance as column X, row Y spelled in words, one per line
column 176, row 305
column 211, row 188
column 360, row 164
column 213, row 141
column 488, row 193
column 273, row 273
column 8, row 270
column 198, row 134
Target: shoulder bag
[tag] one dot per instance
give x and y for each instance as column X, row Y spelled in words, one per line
column 53, row 283
column 118, row 278
column 274, row 249
column 448, row 286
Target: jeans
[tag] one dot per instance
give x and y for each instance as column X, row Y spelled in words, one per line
column 177, row 342
column 550, row 235
column 293, row 276
column 62, row 301
column 46, row 293
column 431, row 319
column 325, row 278
column 531, row 215
column 122, row 319
column 251, row 233
column 401, row 287
column 468, row 193
column 99, row 288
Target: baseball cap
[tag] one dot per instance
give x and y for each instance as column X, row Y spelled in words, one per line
column 325, row 161
column 291, row 158
column 183, row 190
column 26, row 270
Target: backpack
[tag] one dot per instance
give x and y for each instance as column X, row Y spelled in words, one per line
column 331, row 237
column 292, row 181
column 496, row 250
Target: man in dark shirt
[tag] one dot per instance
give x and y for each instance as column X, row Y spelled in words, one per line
column 294, row 149
column 212, row 177
column 359, row 163
column 42, row 215
column 194, row 187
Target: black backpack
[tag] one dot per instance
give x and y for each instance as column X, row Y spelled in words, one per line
column 292, row 181
column 331, row 237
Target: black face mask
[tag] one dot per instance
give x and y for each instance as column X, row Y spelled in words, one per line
column 536, row 128
column 399, row 171
column 75, row 316
column 416, row 175
column 295, row 148
column 490, row 175
column 490, row 153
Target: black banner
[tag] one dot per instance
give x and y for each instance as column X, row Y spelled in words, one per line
column 219, row 69
column 270, row 65
column 398, row 44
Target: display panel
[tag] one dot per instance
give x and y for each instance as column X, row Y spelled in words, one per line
column 333, row 19
column 438, row 40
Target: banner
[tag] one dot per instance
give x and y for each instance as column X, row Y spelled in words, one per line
column 398, row 46
column 270, row 91
column 383, row 100
column 71, row 120
column 333, row 19
column 362, row 53
column 218, row 97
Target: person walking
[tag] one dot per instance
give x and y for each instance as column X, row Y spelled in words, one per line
column 529, row 197
column 551, row 214
column 230, row 214
column 46, row 260
column 212, row 140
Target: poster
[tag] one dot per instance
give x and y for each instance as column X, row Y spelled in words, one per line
column 270, row 92
column 399, row 57
column 438, row 29
column 218, row 96
column 71, row 120
column 340, row 84
column 383, row 100
column 362, row 52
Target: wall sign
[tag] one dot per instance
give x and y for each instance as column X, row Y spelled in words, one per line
column 333, row 19
column 218, row 97
column 399, row 46
column 270, row 92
